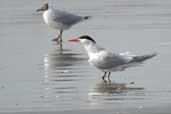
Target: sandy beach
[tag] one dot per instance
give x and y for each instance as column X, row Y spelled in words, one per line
column 36, row 77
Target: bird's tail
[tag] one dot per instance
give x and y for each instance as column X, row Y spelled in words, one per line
column 143, row 57
column 87, row 17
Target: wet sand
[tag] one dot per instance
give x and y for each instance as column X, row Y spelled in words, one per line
column 35, row 77
column 155, row 110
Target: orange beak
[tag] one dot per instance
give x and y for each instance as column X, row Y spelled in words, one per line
column 74, row 40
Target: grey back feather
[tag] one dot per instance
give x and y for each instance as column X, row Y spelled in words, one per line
column 66, row 18
column 143, row 57
column 112, row 61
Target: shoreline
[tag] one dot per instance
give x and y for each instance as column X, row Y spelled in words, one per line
column 154, row 110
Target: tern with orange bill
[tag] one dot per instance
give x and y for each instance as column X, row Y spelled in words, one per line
column 60, row 20
column 106, row 61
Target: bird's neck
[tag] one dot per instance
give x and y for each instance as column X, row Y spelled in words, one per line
column 92, row 49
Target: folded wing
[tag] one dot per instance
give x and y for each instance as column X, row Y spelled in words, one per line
column 108, row 60
column 66, row 18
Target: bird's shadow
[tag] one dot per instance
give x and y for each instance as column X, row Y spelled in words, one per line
column 109, row 87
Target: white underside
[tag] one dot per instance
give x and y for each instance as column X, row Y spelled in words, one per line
column 121, row 67
column 52, row 23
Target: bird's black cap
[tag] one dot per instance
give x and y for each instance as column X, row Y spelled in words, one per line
column 87, row 37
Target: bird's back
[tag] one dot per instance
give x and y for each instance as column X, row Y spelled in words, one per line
column 66, row 18
column 105, row 60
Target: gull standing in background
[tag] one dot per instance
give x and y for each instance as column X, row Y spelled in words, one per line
column 106, row 61
column 59, row 20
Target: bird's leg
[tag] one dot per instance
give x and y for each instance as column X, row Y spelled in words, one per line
column 103, row 77
column 109, row 76
column 59, row 37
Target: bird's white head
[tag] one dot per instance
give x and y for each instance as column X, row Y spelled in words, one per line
column 44, row 7
column 85, row 39
column 88, row 43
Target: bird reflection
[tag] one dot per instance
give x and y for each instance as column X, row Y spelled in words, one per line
column 60, row 47
column 61, row 70
column 112, row 88
column 61, row 64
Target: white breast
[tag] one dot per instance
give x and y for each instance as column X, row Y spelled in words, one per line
column 48, row 17
column 97, row 60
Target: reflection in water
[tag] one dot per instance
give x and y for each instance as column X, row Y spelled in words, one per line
column 112, row 87
column 61, row 64
column 61, row 70
column 61, row 48
column 116, row 91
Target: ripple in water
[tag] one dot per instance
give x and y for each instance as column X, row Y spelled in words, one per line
column 61, row 70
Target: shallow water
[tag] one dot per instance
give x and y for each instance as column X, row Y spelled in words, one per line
column 35, row 76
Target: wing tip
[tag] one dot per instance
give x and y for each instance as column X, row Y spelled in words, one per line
column 154, row 54
column 87, row 17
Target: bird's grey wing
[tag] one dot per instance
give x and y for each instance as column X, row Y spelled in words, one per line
column 112, row 60
column 67, row 18
column 143, row 57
